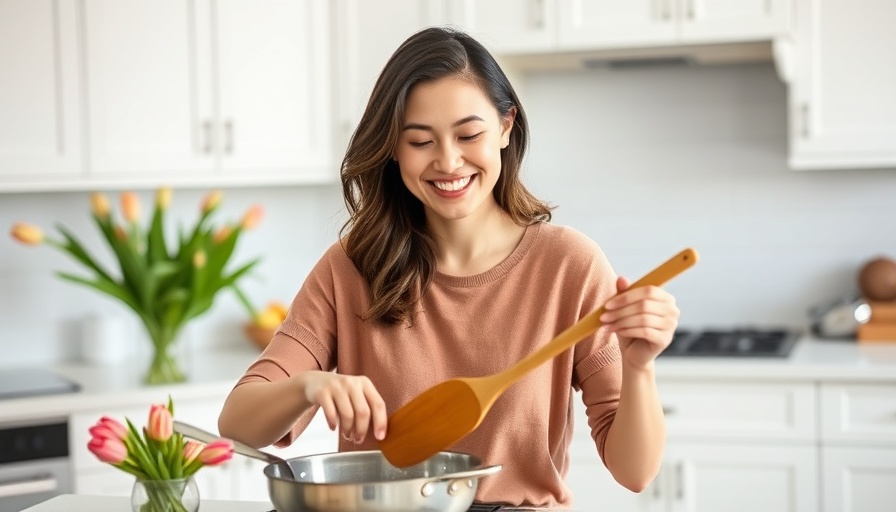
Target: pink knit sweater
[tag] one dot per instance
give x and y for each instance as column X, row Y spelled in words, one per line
column 471, row 326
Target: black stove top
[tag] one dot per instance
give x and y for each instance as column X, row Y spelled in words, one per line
column 747, row 342
column 487, row 507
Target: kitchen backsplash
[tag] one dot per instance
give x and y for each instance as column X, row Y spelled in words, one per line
column 645, row 161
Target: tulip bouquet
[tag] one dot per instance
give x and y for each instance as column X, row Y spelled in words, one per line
column 165, row 286
column 157, row 455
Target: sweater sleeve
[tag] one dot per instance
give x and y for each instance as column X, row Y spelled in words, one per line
column 600, row 392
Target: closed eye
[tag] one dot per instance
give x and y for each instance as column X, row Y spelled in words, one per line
column 471, row 138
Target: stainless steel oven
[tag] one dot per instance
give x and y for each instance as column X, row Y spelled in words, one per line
column 34, row 462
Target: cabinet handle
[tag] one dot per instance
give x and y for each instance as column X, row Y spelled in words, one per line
column 679, row 484
column 668, row 411
column 804, row 120
column 666, row 10
column 538, row 14
column 658, row 486
column 207, row 136
column 228, row 136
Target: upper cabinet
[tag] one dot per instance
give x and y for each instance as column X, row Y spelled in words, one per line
column 201, row 93
column 843, row 85
column 232, row 90
column 539, row 26
column 40, row 93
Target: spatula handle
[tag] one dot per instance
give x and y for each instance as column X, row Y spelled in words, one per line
column 591, row 322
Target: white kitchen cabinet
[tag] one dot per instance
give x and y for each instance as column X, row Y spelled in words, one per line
column 734, row 446
column 513, row 27
column 40, row 93
column 368, row 34
column 507, row 26
column 842, row 100
column 208, row 91
column 858, row 479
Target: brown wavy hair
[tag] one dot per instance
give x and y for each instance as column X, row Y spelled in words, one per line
column 386, row 234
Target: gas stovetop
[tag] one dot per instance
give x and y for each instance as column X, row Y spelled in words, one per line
column 746, row 342
column 486, row 507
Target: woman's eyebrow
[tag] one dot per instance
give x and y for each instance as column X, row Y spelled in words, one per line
column 425, row 127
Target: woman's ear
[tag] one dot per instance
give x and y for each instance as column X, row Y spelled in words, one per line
column 507, row 126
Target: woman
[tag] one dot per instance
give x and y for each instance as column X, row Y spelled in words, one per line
column 448, row 267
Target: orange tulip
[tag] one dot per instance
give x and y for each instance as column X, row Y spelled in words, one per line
column 99, row 203
column 191, row 451
column 222, row 234
column 27, row 234
column 163, row 197
column 130, row 207
column 252, row 217
column 120, row 233
column 211, row 201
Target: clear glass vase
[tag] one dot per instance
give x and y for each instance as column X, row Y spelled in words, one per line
column 177, row 495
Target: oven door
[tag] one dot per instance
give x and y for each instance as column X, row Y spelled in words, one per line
column 23, row 484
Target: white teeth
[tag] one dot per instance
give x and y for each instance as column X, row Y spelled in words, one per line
column 450, row 186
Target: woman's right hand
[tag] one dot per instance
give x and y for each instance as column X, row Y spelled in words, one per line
column 349, row 402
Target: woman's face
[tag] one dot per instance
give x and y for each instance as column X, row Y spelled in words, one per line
column 449, row 149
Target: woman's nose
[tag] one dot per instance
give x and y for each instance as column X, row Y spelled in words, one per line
column 449, row 158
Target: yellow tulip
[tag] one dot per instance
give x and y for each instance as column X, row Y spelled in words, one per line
column 27, row 234
column 163, row 197
column 99, row 203
column 199, row 259
column 130, row 207
column 211, row 201
column 252, row 217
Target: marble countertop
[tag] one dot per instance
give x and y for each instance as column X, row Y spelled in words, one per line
column 85, row 503
column 213, row 375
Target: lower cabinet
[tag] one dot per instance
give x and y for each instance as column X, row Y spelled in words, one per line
column 858, row 479
column 732, row 446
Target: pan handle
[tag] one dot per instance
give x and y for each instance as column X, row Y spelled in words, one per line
column 205, row 436
column 471, row 473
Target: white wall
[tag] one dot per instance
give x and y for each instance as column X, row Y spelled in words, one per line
column 644, row 161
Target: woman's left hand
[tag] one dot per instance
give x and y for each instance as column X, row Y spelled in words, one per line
column 644, row 320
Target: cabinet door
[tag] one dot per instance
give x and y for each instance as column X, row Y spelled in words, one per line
column 842, row 105
column 369, row 32
column 507, row 26
column 39, row 92
column 586, row 24
column 859, row 479
column 704, row 21
column 150, row 108
column 711, row 477
column 274, row 80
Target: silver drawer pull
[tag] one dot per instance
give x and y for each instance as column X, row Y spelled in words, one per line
column 23, row 487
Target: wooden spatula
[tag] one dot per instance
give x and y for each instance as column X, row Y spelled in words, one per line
column 446, row 412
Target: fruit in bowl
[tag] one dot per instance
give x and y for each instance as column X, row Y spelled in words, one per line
column 261, row 329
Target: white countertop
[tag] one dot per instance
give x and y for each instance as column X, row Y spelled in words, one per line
column 86, row 503
column 215, row 373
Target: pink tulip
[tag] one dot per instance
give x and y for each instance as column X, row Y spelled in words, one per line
column 130, row 207
column 191, row 451
column 160, row 425
column 252, row 217
column 216, row 452
column 118, row 430
column 108, row 449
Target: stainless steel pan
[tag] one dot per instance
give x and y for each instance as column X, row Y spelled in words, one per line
column 363, row 480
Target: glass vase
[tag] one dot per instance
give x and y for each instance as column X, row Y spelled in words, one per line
column 164, row 366
column 177, row 495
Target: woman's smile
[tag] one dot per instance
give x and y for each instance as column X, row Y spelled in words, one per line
column 452, row 188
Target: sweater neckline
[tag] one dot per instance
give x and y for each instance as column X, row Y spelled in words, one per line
column 498, row 271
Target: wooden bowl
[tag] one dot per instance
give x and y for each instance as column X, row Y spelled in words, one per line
column 258, row 335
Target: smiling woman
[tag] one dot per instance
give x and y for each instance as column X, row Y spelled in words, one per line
column 460, row 274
